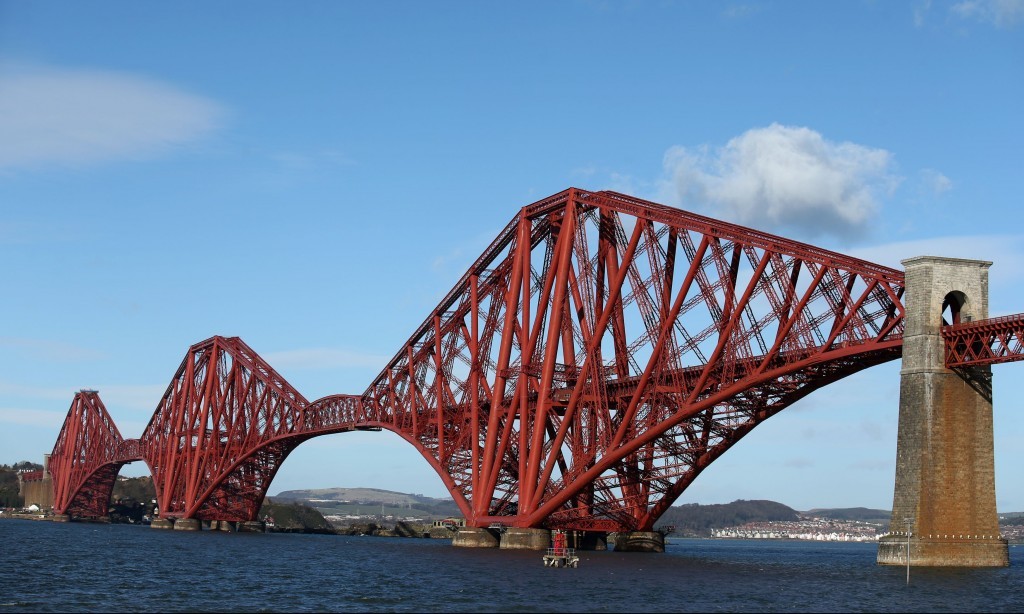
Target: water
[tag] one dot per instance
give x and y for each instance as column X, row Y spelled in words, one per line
column 77, row 567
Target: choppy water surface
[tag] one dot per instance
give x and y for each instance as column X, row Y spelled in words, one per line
column 87, row 568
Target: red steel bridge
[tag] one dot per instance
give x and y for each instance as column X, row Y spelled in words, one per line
column 599, row 355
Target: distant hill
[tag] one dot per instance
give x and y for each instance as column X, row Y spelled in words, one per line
column 695, row 519
column 294, row 517
column 366, row 496
column 356, row 500
column 861, row 514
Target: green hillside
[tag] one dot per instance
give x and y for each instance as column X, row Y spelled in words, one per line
column 694, row 519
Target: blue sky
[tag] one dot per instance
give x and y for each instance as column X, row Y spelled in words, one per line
column 313, row 177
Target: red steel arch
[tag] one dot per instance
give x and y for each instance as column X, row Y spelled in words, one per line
column 86, row 458
column 605, row 349
column 591, row 363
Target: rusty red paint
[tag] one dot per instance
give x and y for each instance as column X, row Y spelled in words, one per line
column 598, row 356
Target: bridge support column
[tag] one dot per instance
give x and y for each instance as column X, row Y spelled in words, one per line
column 251, row 526
column 187, row 524
column 945, row 469
column 61, row 518
column 161, row 523
column 475, row 537
column 640, row 541
column 516, row 538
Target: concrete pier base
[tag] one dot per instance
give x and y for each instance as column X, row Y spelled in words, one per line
column 251, row 526
column 61, row 518
column 224, row 525
column 187, row 524
column 592, row 540
column 516, row 538
column 961, row 551
column 161, row 523
column 640, row 541
column 475, row 537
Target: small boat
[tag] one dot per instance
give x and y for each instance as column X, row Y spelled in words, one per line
column 560, row 554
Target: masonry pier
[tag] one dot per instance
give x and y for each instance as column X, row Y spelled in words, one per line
column 540, row 539
column 187, row 524
column 944, row 506
column 516, row 538
column 475, row 537
column 639, row 541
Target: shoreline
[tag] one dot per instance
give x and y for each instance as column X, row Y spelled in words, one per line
column 49, row 517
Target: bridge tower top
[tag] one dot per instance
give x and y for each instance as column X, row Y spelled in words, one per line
column 938, row 289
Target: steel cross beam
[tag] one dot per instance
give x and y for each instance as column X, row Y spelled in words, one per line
column 984, row 342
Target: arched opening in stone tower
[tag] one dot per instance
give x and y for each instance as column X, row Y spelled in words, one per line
column 953, row 311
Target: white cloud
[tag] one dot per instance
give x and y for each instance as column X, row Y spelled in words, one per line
column 784, row 179
column 81, row 117
column 34, row 392
column 50, row 350
column 921, row 12
column 324, row 358
column 934, row 182
column 142, row 398
column 740, row 11
column 455, row 258
column 1001, row 13
column 32, row 417
column 1005, row 251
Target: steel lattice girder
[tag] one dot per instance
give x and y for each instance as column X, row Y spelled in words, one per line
column 590, row 364
column 84, row 461
column 984, row 342
column 604, row 349
column 214, row 443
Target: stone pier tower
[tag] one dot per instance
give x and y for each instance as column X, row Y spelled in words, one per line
column 945, row 470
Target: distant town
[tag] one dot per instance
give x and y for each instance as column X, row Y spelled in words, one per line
column 825, row 529
column 811, row 529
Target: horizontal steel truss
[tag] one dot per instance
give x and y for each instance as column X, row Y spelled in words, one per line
column 590, row 364
column 984, row 342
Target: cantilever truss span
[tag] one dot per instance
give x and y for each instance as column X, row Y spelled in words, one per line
column 598, row 356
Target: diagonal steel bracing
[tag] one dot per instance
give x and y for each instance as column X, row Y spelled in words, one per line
column 984, row 342
column 597, row 357
column 604, row 350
